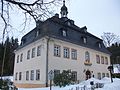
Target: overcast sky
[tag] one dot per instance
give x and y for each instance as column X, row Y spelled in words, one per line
column 98, row 15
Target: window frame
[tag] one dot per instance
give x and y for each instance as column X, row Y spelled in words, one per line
column 39, row 50
column 66, row 52
column 74, row 54
column 28, row 54
column 57, row 50
column 98, row 59
column 32, row 75
column 38, row 74
column 27, row 75
column 33, row 52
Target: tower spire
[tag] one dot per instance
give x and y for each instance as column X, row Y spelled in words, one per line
column 64, row 10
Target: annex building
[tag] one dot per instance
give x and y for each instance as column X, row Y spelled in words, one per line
column 58, row 44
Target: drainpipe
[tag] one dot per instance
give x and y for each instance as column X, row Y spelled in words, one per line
column 47, row 61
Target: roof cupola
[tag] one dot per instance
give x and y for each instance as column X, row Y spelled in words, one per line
column 64, row 10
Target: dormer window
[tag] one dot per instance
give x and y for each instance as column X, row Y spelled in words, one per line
column 99, row 45
column 84, row 40
column 37, row 33
column 64, row 33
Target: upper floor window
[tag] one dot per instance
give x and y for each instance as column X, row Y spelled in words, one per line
column 38, row 74
column 27, row 75
column 39, row 50
column 28, row 54
column 87, row 56
column 33, row 52
column 32, row 75
column 64, row 33
column 57, row 50
column 98, row 59
column 106, row 60
column 66, row 52
column 74, row 54
column 21, row 57
column 17, row 58
column 102, row 60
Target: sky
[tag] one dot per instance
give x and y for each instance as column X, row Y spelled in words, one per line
column 97, row 15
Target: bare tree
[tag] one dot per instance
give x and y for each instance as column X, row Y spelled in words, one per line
column 32, row 9
column 110, row 38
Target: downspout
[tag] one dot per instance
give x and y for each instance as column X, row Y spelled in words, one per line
column 47, row 51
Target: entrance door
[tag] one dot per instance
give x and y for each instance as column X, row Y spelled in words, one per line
column 88, row 74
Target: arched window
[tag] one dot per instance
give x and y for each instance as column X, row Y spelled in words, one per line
column 87, row 56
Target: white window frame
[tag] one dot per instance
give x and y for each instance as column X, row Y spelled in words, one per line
column 66, row 52
column 57, row 50
column 27, row 75
column 17, row 58
column 37, row 74
column 64, row 33
column 74, row 54
column 33, row 52
column 28, row 54
column 21, row 57
column 97, row 59
column 32, row 75
column 39, row 50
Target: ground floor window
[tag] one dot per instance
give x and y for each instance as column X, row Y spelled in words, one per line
column 32, row 75
column 74, row 75
column 27, row 75
column 20, row 75
column 38, row 74
column 99, row 75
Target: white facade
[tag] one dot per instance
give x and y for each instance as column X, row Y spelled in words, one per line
column 56, row 62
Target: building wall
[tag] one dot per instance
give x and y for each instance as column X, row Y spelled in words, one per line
column 38, row 62
column 58, row 63
column 61, row 63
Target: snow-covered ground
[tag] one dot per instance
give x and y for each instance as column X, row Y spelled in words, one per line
column 106, row 81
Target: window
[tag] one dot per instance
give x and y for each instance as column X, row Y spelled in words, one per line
column 87, row 56
column 103, row 75
column 84, row 40
column 27, row 75
column 99, row 45
column 98, row 59
column 106, row 60
column 33, row 52
column 32, row 75
column 107, row 74
column 102, row 60
column 57, row 50
column 20, row 75
column 17, row 58
column 38, row 74
column 74, row 75
column 66, row 52
column 39, row 50
column 21, row 57
column 28, row 54
column 37, row 33
column 16, row 75
column 74, row 54
column 99, row 75
column 56, row 72
column 64, row 33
